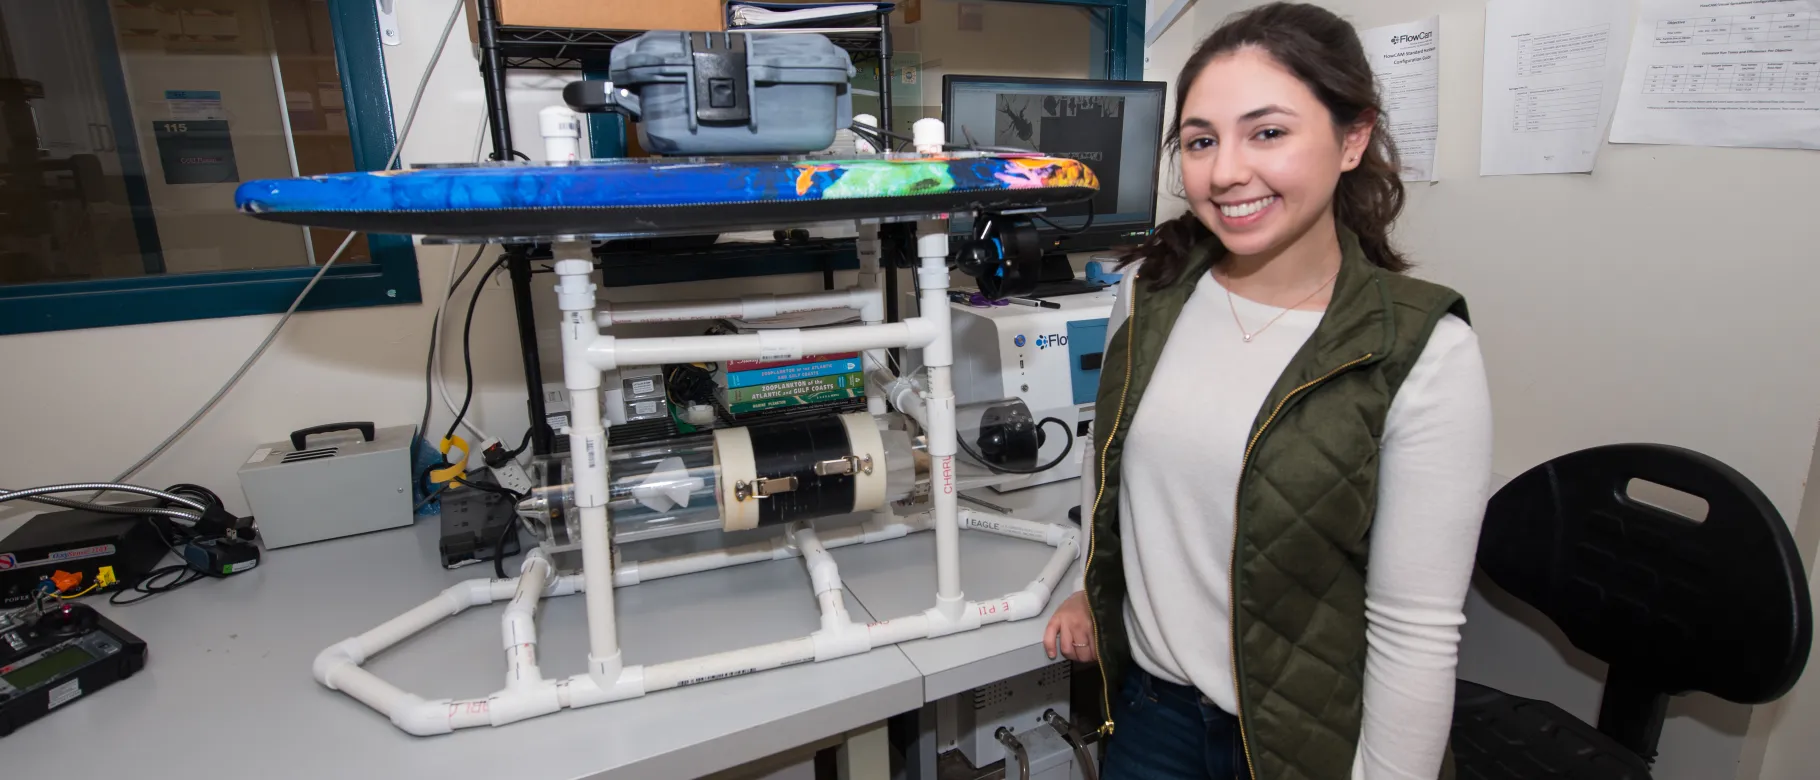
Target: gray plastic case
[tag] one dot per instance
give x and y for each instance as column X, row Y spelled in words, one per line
column 732, row 93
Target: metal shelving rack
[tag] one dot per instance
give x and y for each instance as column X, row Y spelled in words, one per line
column 504, row 47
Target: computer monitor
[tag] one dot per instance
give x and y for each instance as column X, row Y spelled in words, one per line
column 1115, row 127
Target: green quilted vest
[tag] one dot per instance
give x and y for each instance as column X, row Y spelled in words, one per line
column 1304, row 508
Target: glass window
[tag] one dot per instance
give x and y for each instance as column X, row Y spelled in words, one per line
column 978, row 39
column 128, row 124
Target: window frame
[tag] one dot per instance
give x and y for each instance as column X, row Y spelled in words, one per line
column 390, row 279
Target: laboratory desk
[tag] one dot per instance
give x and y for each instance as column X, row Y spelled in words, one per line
column 228, row 682
column 896, row 579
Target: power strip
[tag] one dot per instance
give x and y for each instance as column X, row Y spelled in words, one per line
column 508, row 473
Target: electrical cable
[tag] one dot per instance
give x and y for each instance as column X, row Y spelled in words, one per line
column 872, row 135
column 1066, row 231
column 499, row 546
column 84, row 592
column 499, row 543
column 687, row 385
column 432, row 376
column 1073, row 738
column 523, row 445
column 149, row 586
column 467, row 344
column 1011, row 743
column 115, row 509
column 428, row 497
column 1067, row 446
column 98, row 488
column 432, row 373
column 258, row 352
column 171, row 577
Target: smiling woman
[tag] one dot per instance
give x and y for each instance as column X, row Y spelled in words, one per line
column 1285, row 405
column 131, row 122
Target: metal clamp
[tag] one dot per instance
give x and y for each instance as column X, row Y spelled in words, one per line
column 720, row 77
column 763, row 487
column 844, row 465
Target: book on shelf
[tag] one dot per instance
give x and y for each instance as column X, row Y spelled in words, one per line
column 797, row 392
column 734, row 366
column 790, row 373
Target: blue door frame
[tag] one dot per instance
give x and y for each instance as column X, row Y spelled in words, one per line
column 159, row 297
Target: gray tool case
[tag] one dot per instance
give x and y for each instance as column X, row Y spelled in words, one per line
column 725, row 93
column 305, row 491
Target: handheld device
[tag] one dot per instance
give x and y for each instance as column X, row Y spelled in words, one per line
column 51, row 659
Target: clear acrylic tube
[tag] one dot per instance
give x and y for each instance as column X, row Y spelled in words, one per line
column 669, row 488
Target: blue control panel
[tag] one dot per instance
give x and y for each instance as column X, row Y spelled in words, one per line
column 1086, row 345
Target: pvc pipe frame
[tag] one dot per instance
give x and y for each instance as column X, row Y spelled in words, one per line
column 528, row 694
column 586, row 354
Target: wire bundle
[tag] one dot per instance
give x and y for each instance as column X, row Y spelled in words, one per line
column 179, row 519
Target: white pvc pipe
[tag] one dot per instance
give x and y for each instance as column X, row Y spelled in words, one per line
column 903, row 394
column 882, row 527
column 862, row 145
column 1058, row 564
column 1052, row 534
column 561, row 129
column 605, row 353
column 824, row 578
column 903, row 629
column 338, row 666
column 517, row 623
column 632, row 573
column 391, row 632
column 747, row 307
column 384, row 697
column 588, row 454
column 928, row 135
column 470, row 713
column 938, row 357
column 732, row 663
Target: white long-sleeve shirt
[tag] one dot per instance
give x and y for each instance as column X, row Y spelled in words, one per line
column 1180, row 474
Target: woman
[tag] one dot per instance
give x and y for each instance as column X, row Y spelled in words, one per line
column 1278, row 403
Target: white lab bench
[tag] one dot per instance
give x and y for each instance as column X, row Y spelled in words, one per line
column 227, row 682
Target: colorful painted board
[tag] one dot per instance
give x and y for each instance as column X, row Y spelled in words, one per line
column 662, row 196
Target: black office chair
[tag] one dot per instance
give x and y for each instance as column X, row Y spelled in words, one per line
column 1671, row 604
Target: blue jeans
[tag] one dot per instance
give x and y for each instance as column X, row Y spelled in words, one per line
column 1164, row 731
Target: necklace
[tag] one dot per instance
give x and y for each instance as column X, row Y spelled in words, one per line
column 1252, row 334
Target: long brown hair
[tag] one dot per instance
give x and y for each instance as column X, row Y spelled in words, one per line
column 1323, row 51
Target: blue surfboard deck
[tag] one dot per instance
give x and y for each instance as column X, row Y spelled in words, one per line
column 663, row 196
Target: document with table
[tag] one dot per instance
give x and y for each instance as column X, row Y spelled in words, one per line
column 1406, row 58
column 1723, row 74
column 1552, row 71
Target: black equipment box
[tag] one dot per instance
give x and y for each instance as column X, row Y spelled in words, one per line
column 472, row 521
column 49, row 660
column 80, row 542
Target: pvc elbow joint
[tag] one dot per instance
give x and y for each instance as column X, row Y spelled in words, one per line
column 1029, row 602
column 420, row 718
column 346, row 651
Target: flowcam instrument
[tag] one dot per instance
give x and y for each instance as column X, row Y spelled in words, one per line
column 722, row 93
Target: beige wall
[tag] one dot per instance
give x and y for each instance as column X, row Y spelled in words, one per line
column 1665, row 297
